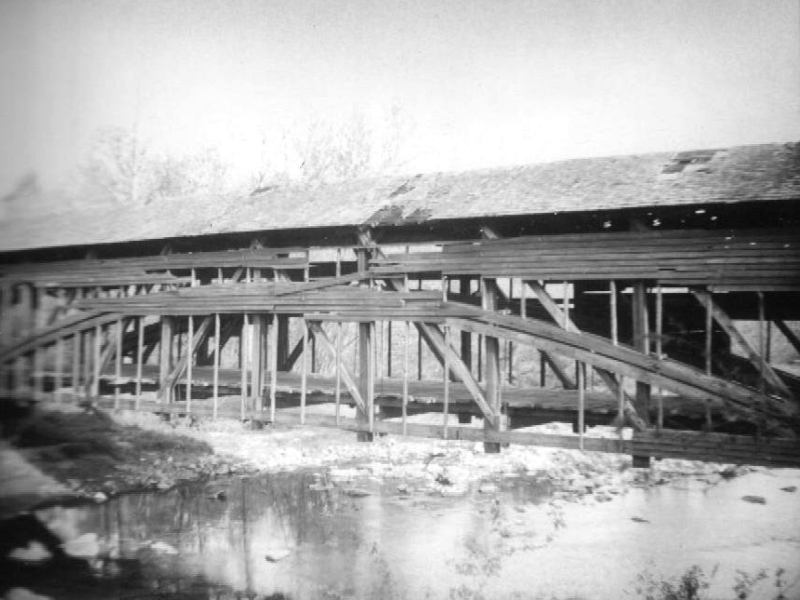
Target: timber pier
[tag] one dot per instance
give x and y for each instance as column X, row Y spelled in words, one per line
column 653, row 306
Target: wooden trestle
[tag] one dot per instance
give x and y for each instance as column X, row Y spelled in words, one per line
column 210, row 334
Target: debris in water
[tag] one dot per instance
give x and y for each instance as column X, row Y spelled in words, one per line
column 754, row 499
column 442, row 479
column 216, row 493
column 277, row 554
column 320, row 487
column 639, row 520
column 163, row 548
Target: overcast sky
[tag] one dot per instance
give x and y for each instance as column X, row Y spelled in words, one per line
column 481, row 83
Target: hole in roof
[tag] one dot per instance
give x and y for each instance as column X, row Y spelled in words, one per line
column 695, row 160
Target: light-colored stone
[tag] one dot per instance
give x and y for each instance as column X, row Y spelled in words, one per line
column 34, row 552
column 85, row 546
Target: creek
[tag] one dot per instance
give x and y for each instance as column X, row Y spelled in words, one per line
column 334, row 535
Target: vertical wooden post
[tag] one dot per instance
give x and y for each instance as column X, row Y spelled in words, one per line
column 273, row 376
column 304, row 372
column 419, row 342
column 542, row 370
column 419, row 356
column 581, row 402
column 59, row 381
column 76, row 363
column 118, row 362
column 373, row 369
column 405, row 376
column 365, row 343
column 139, row 356
column 762, row 384
column 466, row 336
column 768, row 350
column 189, row 360
column 39, row 352
column 256, row 345
column 446, row 377
column 388, row 349
column 612, row 297
column 709, row 332
column 509, row 343
column 243, row 351
column 283, row 340
column 640, row 342
column 612, row 301
column 98, row 338
column 165, row 359
column 338, row 371
column 659, row 349
column 88, row 353
column 489, row 292
column 510, row 359
column 313, row 351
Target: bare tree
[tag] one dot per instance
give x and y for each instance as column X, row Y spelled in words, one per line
column 324, row 152
column 117, row 167
column 121, row 168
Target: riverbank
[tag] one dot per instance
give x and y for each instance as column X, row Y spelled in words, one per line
column 67, row 453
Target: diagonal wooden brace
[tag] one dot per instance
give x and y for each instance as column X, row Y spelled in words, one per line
column 108, row 352
column 180, row 366
column 608, row 378
column 315, row 328
column 560, row 373
column 724, row 321
column 788, row 334
column 435, row 339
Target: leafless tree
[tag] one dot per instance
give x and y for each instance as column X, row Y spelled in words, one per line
column 324, row 152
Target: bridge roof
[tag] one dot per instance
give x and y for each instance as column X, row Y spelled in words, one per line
column 767, row 172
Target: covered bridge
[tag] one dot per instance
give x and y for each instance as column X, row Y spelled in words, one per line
column 645, row 292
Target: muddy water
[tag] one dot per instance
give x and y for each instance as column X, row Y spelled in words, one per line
column 305, row 535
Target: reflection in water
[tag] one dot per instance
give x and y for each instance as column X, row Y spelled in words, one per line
column 297, row 535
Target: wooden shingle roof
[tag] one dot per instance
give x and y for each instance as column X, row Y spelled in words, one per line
column 768, row 172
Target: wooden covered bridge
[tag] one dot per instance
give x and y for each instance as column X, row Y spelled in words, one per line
column 644, row 292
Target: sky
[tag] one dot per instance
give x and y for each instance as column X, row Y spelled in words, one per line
column 478, row 84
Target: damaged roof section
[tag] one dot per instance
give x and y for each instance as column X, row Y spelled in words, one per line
column 768, row 172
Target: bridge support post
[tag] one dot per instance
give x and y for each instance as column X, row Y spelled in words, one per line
column 283, row 341
column 165, row 359
column 256, row 366
column 365, row 378
column 492, row 369
column 366, row 361
column 466, row 342
column 641, row 341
